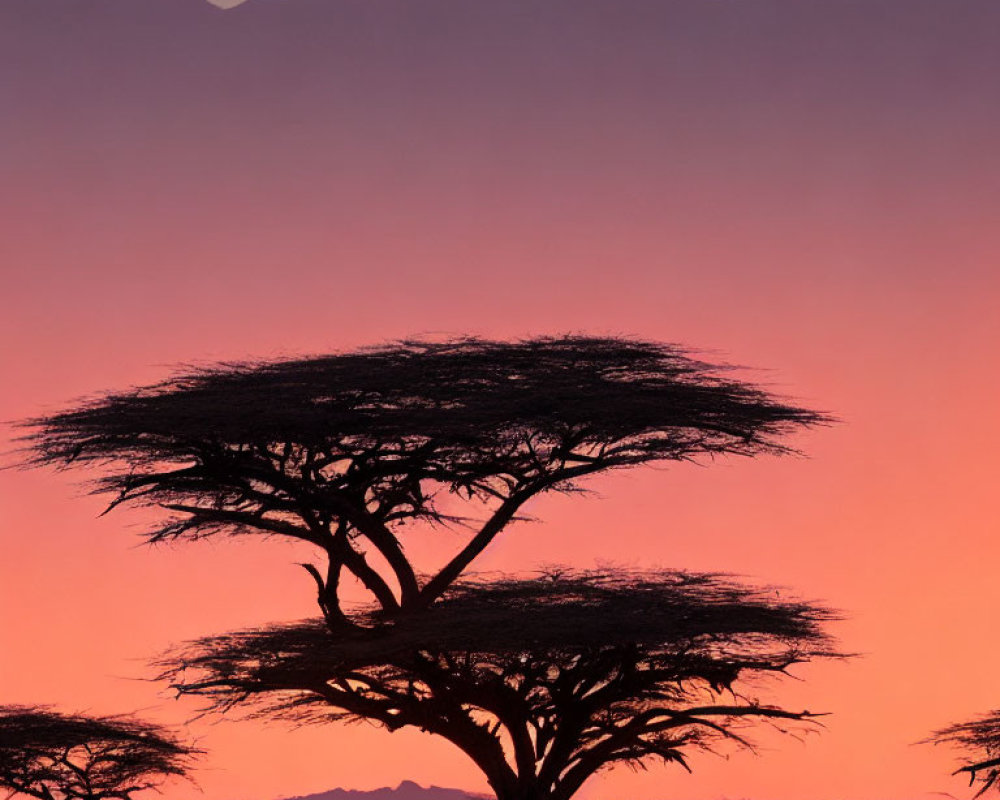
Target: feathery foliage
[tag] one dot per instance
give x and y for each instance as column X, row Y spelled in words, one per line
column 980, row 738
column 54, row 756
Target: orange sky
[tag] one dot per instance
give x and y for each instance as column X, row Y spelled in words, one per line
column 804, row 187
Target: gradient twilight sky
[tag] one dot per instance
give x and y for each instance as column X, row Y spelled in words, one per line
column 808, row 187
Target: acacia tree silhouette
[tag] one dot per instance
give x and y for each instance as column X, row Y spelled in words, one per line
column 980, row 738
column 541, row 682
column 54, row 756
column 343, row 450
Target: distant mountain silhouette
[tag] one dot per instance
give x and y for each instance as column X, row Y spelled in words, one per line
column 407, row 790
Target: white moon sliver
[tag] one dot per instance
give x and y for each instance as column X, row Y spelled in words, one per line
column 226, row 3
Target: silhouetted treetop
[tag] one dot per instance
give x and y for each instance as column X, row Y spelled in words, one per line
column 55, row 756
column 980, row 739
column 542, row 682
column 341, row 450
column 567, row 612
column 653, row 399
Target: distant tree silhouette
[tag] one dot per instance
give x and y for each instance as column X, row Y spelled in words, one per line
column 541, row 682
column 54, row 756
column 343, row 450
column 980, row 738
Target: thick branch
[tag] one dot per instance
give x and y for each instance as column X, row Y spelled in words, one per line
column 434, row 588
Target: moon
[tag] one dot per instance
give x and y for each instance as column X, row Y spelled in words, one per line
column 226, row 3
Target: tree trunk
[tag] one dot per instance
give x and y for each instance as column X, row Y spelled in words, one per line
column 525, row 793
column 525, row 790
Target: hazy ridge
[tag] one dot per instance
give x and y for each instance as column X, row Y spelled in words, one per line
column 407, row 790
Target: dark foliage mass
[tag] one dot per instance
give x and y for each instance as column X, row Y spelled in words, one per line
column 342, row 450
column 980, row 740
column 54, row 756
column 541, row 682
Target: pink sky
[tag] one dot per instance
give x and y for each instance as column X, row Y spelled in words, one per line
column 804, row 187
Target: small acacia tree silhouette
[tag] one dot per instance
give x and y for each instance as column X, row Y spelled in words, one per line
column 54, row 756
column 542, row 683
column 980, row 739
column 342, row 451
